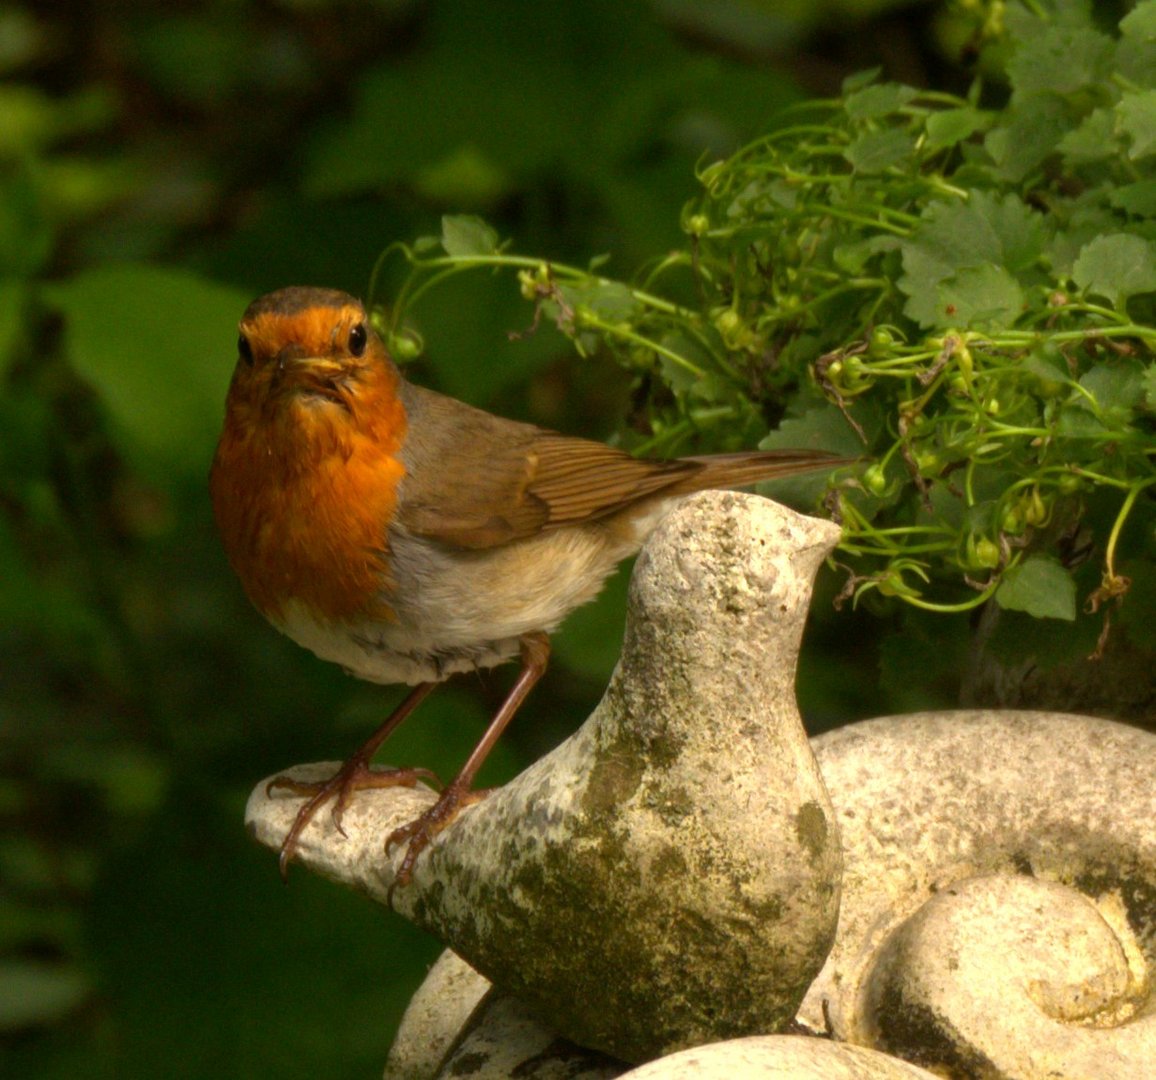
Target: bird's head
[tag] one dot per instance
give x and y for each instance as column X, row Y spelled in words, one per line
column 305, row 347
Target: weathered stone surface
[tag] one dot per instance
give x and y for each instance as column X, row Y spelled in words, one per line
column 778, row 1057
column 669, row 875
column 448, row 996
column 503, row 1040
column 1016, row 977
column 1006, row 976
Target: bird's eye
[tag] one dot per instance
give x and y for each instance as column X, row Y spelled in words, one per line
column 244, row 349
column 357, row 339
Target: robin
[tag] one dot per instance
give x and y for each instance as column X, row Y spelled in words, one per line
column 408, row 536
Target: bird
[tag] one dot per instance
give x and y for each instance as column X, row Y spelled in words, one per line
column 409, row 536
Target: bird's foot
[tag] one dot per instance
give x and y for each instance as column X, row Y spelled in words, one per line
column 353, row 776
column 419, row 832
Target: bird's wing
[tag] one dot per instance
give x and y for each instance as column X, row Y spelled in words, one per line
column 475, row 481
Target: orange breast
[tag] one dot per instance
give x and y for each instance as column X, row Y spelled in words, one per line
column 303, row 498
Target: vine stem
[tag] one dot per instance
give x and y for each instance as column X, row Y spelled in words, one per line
column 1118, row 526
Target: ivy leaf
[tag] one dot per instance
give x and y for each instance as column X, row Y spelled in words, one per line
column 1118, row 266
column 465, row 234
column 1040, row 586
column 984, row 297
column 1136, row 117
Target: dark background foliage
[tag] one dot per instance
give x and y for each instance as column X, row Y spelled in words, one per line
column 160, row 165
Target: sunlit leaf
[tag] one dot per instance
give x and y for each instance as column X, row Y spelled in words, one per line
column 467, row 235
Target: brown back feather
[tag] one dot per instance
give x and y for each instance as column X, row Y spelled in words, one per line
column 474, row 480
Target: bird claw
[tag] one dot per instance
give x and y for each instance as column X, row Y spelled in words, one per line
column 418, row 833
column 353, row 776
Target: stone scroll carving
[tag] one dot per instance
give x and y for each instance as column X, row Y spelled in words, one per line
column 688, row 876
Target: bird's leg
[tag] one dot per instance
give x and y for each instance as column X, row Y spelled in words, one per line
column 354, row 775
column 457, row 794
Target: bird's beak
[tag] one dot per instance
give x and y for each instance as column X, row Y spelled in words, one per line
column 294, row 355
column 300, row 371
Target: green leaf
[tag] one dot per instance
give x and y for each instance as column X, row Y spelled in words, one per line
column 679, row 377
column 1116, row 389
column 1094, row 140
column 875, row 151
column 1136, row 51
column 878, row 100
column 953, row 126
column 1061, row 60
column 1030, row 132
column 1138, row 199
column 464, row 234
column 1117, row 266
column 1136, row 116
column 1140, row 23
column 1040, row 586
column 611, row 301
column 954, row 236
column 1077, row 421
column 158, row 346
column 823, row 427
column 853, row 256
column 984, row 297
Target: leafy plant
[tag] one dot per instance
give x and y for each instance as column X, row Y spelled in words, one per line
column 965, row 292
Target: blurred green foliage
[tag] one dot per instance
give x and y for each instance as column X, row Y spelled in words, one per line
column 158, row 169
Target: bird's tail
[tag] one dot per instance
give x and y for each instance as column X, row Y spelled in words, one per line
column 751, row 466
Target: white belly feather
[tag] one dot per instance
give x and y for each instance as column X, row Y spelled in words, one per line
column 457, row 610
